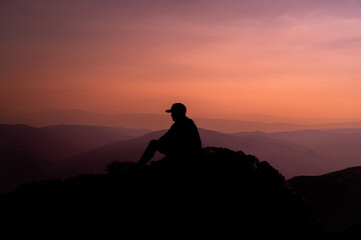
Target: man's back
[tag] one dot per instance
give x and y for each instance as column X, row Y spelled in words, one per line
column 182, row 141
column 182, row 138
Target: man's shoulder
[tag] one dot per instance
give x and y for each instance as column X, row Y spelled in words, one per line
column 189, row 123
column 185, row 122
column 188, row 120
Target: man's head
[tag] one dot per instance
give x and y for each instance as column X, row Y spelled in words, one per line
column 178, row 111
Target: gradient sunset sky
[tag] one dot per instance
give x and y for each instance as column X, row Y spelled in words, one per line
column 290, row 58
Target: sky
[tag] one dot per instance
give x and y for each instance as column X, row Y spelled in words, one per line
column 288, row 58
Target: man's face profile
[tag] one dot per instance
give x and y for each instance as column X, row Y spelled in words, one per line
column 176, row 115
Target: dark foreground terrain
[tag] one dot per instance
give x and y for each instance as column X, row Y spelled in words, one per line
column 336, row 198
column 221, row 192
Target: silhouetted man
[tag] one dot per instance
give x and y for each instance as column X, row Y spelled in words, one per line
column 181, row 141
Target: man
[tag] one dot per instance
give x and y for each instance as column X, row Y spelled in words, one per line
column 182, row 140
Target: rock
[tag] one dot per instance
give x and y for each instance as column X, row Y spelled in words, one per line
column 221, row 191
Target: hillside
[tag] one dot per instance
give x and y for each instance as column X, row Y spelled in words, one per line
column 221, row 192
column 35, row 140
column 324, row 150
column 289, row 158
column 28, row 153
column 87, row 137
column 336, row 142
column 336, row 197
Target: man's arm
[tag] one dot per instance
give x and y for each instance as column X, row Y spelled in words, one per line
column 167, row 137
column 197, row 138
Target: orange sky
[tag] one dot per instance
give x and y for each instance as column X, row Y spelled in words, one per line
column 297, row 59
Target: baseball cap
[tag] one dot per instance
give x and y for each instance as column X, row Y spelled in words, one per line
column 177, row 107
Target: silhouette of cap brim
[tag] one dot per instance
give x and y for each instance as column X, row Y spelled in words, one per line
column 177, row 107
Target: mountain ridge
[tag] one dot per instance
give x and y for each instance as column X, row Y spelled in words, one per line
column 292, row 153
column 335, row 197
column 161, row 121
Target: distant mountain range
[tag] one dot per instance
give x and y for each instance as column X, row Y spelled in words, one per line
column 307, row 152
column 28, row 152
column 88, row 137
column 161, row 121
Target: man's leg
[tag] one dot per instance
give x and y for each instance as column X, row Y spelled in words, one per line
column 149, row 152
